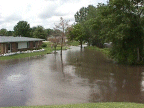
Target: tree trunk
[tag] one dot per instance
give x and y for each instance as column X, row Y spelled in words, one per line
column 81, row 44
column 61, row 50
column 61, row 45
column 55, row 48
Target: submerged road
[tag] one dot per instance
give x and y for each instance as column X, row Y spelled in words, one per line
column 75, row 77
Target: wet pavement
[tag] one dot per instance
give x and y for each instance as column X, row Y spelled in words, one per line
column 75, row 77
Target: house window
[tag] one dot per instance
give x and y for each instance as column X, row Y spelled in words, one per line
column 22, row 45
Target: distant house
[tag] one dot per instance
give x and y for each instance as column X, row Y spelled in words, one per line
column 13, row 44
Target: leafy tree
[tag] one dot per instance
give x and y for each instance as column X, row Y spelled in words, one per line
column 49, row 31
column 3, row 32
column 32, row 31
column 40, row 33
column 92, row 29
column 81, row 15
column 120, row 22
column 89, row 17
column 10, row 33
column 22, row 28
column 123, row 26
column 76, row 33
column 91, row 12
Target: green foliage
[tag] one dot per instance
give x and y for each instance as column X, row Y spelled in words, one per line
column 120, row 22
column 22, row 29
column 10, row 33
column 49, row 32
column 80, row 15
column 125, row 31
column 40, row 33
column 3, row 32
column 73, row 43
column 44, row 45
column 90, row 20
column 91, row 12
column 92, row 30
column 77, row 33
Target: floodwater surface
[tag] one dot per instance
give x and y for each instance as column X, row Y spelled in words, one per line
column 75, row 77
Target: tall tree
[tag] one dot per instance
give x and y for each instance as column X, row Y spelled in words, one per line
column 92, row 30
column 123, row 26
column 22, row 29
column 49, row 32
column 32, row 31
column 81, row 15
column 91, row 12
column 62, row 26
column 3, row 32
column 77, row 33
column 88, row 17
column 9, row 33
column 40, row 33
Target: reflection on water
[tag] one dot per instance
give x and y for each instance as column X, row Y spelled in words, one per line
column 75, row 77
column 108, row 81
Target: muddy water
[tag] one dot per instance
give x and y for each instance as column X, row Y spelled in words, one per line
column 75, row 77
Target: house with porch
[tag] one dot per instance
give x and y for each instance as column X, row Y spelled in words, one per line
column 10, row 44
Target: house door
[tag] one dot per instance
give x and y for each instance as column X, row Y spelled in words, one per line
column 9, row 47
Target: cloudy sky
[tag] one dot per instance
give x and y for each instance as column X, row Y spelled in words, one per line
column 40, row 12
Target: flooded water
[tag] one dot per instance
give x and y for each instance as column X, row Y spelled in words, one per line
column 75, row 77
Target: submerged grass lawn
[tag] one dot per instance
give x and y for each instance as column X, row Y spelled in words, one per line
column 90, row 105
column 48, row 50
column 105, row 51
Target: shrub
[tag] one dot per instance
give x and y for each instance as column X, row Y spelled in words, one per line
column 44, row 45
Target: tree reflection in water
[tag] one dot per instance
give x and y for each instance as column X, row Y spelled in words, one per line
column 108, row 82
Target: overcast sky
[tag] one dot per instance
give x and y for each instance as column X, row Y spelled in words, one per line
column 40, row 12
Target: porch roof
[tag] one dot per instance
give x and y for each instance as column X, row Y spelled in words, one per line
column 5, row 39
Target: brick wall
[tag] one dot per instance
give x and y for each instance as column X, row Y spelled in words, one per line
column 40, row 43
column 37, row 44
column 14, row 47
column 31, row 44
column 3, row 48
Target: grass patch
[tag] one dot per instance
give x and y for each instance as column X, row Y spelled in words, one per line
column 90, row 105
column 48, row 50
column 73, row 43
column 18, row 56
